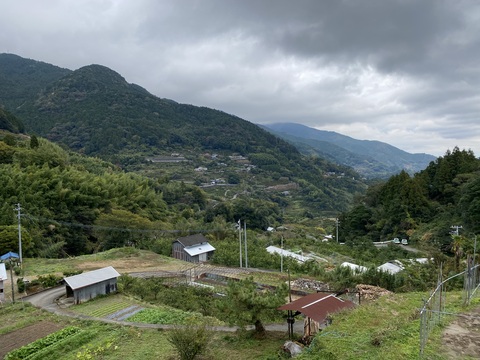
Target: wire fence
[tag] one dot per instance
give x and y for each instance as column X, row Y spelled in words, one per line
column 433, row 309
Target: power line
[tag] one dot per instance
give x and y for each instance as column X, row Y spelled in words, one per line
column 98, row 227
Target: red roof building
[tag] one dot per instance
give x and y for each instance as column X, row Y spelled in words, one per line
column 317, row 307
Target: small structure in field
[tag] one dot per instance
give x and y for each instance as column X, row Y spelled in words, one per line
column 86, row 286
column 3, row 277
column 316, row 308
column 193, row 248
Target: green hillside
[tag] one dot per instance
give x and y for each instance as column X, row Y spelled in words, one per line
column 94, row 111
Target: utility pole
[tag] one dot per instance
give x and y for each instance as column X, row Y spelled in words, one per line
column 281, row 257
column 19, row 209
column 246, row 252
column 456, row 228
column 336, row 223
column 240, row 240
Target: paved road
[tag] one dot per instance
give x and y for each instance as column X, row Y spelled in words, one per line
column 47, row 300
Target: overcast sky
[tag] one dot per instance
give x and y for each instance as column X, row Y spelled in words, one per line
column 404, row 72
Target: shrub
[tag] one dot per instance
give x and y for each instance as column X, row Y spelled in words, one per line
column 189, row 341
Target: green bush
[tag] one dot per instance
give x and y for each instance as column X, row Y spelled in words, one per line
column 189, row 341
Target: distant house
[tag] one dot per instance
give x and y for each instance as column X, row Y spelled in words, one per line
column 86, row 286
column 193, row 248
column 3, row 277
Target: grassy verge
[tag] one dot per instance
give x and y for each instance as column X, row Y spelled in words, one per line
column 387, row 329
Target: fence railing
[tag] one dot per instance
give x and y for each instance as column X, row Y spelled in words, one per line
column 433, row 309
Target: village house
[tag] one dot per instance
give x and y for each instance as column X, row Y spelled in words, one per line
column 193, row 248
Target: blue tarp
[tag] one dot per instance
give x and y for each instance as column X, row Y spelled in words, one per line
column 9, row 255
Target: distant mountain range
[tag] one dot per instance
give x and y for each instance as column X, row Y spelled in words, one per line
column 369, row 158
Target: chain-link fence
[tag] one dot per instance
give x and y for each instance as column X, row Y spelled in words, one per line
column 434, row 308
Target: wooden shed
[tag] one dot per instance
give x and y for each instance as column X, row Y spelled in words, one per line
column 316, row 308
column 193, row 248
column 86, row 286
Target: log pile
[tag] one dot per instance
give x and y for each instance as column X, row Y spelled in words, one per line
column 370, row 292
column 308, row 284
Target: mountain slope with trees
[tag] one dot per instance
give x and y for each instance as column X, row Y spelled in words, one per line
column 373, row 159
column 423, row 207
column 94, row 111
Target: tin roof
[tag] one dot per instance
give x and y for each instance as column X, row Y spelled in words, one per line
column 276, row 250
column 391, row 267
column 91, row 277
column 3, row 272
column 191, row 240
column 354, row 267
column 199, row 249
column 317, row 306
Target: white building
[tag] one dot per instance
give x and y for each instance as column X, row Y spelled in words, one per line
column 3, row 277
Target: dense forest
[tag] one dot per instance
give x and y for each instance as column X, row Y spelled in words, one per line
column 427, row 208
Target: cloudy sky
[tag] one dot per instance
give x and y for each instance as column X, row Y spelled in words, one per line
column 405, row 72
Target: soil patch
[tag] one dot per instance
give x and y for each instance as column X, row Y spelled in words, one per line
column 26, row 335
column 461, row 338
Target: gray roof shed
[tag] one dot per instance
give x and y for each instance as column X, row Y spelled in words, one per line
column 92, row 277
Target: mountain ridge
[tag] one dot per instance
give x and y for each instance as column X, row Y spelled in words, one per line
column 370, row 158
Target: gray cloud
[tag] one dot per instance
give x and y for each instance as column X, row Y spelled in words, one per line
column 402, row 71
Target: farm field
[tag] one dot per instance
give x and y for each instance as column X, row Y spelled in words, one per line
column 109, row 341
column 387, row 328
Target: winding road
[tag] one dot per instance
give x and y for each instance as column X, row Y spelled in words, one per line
column 48, row 300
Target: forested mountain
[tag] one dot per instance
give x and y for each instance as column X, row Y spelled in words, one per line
column 21, row 79
column 10, row 122
column 94, row 111
column 423, row 207
column 373, row 159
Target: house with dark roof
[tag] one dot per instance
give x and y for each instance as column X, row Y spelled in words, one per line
column 86, row 286
column 193, row 248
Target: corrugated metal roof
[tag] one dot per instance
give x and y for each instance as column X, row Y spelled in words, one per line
column 91, row 277
column 391, row 268
column 3, row 272
column 199, row 249
column 276, row 250
column 317, row 306
column 191, row 240
column 354, row 267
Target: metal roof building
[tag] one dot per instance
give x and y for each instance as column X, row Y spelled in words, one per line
column 193, row 248
column 86, row 286
column 317, row 307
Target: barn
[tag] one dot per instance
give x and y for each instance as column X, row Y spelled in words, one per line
column 193, row 248
column 86, row 286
